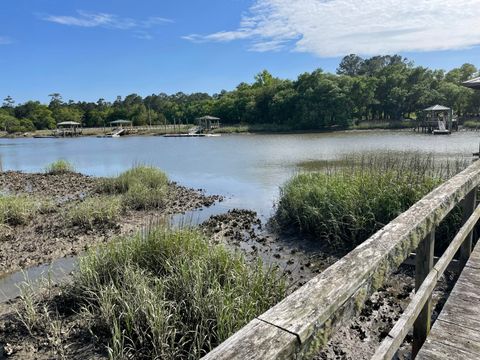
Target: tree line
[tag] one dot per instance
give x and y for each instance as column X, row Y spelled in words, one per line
column 377, row 88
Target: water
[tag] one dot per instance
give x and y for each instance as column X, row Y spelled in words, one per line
column 246, row 169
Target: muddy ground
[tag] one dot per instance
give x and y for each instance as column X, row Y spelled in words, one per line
column 300, row 259
column 47, row 237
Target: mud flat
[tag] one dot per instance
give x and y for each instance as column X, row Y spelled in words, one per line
column 47, row 235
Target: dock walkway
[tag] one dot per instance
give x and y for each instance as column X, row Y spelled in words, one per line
column 456, row 333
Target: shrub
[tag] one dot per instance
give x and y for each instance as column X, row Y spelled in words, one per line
column 170, row 294
column 95, row 211
column 59, row 167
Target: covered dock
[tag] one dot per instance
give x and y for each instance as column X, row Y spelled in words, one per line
column 68, row 128
column 437, row 120
column 208, row 123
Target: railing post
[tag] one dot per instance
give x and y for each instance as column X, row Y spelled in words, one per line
column 423, row 265
column 469, row 204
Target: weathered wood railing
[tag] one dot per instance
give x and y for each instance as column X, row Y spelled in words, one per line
column 304, row 321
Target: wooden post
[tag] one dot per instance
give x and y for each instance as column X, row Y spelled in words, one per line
column 469, row 204
column 423, row 265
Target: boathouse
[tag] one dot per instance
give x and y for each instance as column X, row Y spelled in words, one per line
column 208, row 122
column 438, row 120
column 68, row 128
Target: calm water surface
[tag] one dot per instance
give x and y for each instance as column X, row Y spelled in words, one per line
column 247, row 169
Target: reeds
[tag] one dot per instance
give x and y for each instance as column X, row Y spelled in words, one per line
column 19, row 209
column 346, row 203
column 170, row 294
column 103, row 210
column 141, row 188
column 59, row 167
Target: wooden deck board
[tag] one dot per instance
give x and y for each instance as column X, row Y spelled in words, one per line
column 456, row 333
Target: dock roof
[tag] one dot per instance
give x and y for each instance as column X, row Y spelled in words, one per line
column 64, row 123
column 437, row 108
column 472, row 83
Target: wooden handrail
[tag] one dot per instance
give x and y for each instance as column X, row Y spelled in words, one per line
column 305, row 320
column 397, row 334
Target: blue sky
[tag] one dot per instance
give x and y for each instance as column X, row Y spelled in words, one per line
column 88, row 49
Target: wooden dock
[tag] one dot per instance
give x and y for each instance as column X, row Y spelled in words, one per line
column 456, row 333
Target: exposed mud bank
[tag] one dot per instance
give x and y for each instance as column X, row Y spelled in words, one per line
column 48, row 236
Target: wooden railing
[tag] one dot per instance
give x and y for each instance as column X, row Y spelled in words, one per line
column 303, row 322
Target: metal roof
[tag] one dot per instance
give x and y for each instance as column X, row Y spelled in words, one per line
column 472, row 83
column 208, row 117
column 68, row 123
column 121, row 122
column 437, row 108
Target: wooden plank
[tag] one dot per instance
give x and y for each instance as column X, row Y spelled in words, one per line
column 313, row 311
column 264, row 338
column 423, row 266
column 439, row 351
column 457, row 242
column 469, row 204
column 457, row 336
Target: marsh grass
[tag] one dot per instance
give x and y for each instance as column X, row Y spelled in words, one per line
column 170, row 294
column 59, row 167
column 19, row 209
column 346, row 202
column 141, row 188
column 103, row 210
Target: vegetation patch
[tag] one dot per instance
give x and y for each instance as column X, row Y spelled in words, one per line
column 166, row 294
column 347, row 204
column 471, row 124
column 95, row 211
column 142, row 187
column 18, row 210
column 60, row 167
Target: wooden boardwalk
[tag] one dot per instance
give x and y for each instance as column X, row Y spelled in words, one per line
column 456, row 333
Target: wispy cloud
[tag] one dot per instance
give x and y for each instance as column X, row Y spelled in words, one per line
column 339, row 27
column 5, row 40
column 108, row 21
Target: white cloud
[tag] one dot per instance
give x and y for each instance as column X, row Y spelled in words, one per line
column 340, row 27
column 110, row 21
column 5, row 40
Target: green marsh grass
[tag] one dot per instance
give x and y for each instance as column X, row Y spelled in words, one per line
column 19, row 209
column 103, row 210
column 347, row 202
column 141, row 188
column 170, row 294
column 59, row 167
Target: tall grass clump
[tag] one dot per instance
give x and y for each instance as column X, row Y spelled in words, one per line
column 95, row 211
column 142, row 187
column 19, row 209
column 59, row 167
column 345, row 204
column 170, row 294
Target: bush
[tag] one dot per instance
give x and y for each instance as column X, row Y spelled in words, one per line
column 59, row 167
column 95, row 211
column 170, row 294
column 471, row 124
column 142, row 187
